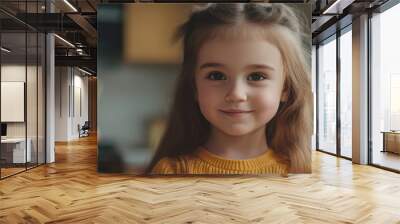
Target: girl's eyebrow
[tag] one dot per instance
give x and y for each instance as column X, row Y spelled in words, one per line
column 254, row 66
column 211, row 64
column 261, row 66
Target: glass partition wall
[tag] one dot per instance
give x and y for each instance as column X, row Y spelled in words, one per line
column 13, row 110
column 385, row 89
column 327, row 95
column 346, row 75
column 334, row 93
column 22, row 88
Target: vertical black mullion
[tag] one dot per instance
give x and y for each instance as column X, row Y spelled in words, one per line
column 73, row 92
column 316, row 96
column 0, row 91
column 60, row 75
column 45, row 94
column 338, row 98
column 26, row 85
column 37, row 88
column 369, row 90
column 45, row 89
column 69, row 93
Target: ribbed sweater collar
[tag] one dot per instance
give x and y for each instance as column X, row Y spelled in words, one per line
column 264, row 160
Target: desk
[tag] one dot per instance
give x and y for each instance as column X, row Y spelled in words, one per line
column 391, row 141
column 17, row 150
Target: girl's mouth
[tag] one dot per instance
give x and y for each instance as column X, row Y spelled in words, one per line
column 236, row 112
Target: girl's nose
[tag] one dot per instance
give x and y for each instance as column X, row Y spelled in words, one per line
column 236, row 92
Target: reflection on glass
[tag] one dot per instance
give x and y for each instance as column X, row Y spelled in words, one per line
column 346, row 94
column 327, row 96
column 22, row 91
column 386, row 88
column 41, row 99
column 14, row 153
column 31, row 100
column 313, row 86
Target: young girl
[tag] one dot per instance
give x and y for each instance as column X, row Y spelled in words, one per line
column 243, row 99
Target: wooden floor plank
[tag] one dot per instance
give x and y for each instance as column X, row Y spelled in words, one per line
column 71, row 191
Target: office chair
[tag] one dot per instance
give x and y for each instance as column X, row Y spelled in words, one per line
column 84, row 130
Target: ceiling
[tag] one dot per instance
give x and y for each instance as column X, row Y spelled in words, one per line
column 80, row 27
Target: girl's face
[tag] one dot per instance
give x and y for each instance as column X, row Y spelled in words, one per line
column 239, row 83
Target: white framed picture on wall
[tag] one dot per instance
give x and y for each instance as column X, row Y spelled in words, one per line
column 12, row 101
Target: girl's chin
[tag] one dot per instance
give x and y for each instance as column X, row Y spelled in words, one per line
column 236, row 132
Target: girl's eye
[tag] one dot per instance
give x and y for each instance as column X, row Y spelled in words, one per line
column 216, row 76
column 256, row 76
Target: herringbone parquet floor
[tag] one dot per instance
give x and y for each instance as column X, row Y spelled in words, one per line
column 71, row 191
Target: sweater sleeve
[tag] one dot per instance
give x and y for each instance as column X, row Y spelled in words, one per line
column 165, row 166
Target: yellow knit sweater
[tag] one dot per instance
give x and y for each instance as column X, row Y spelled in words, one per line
column 205, row 162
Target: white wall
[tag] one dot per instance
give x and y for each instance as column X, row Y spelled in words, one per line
column 33, row 127
column 17, row 72
column 80, row 89
column 62, row 80
column 70, row 83
column 9, row 73
column 12, row 100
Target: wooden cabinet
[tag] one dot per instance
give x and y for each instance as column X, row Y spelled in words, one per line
column 391, row 141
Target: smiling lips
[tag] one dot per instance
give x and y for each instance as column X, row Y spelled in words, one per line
column 236, row 113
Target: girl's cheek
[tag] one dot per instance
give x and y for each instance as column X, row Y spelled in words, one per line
column 206, row 96
column 267, row 109
column 208, row 90
column 267, row 100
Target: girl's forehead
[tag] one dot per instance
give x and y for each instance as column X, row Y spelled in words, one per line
column 243, row 31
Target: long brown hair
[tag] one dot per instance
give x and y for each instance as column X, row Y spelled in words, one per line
column 289, row 132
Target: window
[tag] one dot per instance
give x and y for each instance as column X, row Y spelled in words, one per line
column 327, row 96
column 346, row 93
column 313, row 87
column 385, row 88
